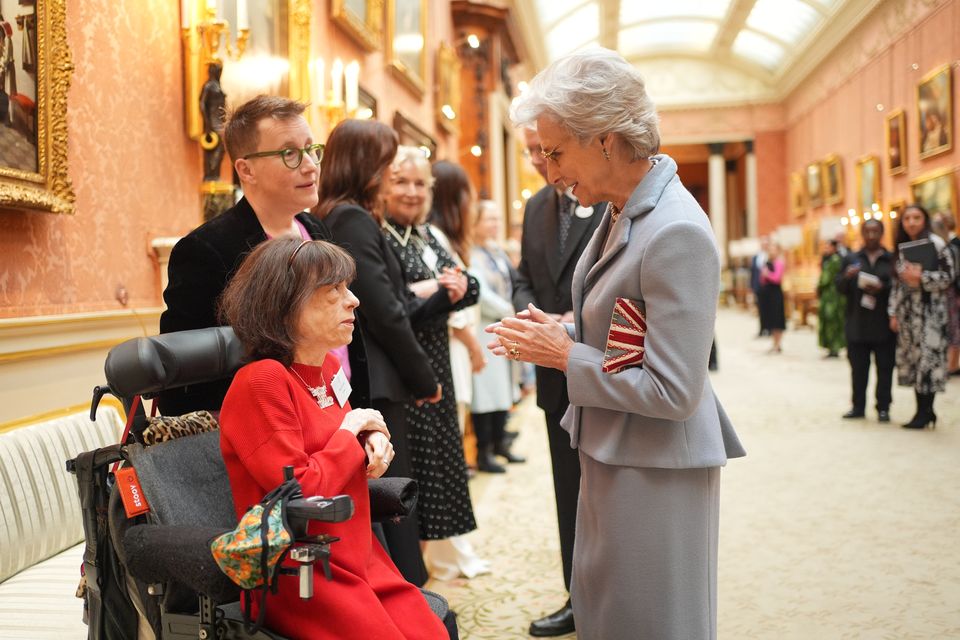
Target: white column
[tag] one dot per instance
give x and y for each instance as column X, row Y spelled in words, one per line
column 718, row 198
column 751, row 167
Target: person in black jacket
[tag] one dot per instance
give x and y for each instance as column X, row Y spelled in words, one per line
column 275, row 157
column 555, row 232
column 389, row 367
column 867, row 326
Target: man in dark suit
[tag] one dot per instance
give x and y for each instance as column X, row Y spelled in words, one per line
column 276, row 159
column 556, row 230
column 756, row 265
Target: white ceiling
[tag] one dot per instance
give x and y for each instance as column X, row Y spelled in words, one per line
column 697, row 52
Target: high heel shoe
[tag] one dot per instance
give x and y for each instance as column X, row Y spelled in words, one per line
column 922, row 421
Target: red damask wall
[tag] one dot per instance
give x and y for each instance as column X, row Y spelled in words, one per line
column 133, row 171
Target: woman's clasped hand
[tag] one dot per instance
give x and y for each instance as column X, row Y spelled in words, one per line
column 532, row 336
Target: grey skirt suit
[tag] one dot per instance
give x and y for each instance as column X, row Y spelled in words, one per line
column 651, row 437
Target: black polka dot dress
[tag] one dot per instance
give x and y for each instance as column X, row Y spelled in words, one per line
column 436, row 446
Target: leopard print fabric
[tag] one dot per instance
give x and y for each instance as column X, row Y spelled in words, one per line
column 166, row 428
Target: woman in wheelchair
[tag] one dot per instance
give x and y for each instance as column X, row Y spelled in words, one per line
column 289, row 305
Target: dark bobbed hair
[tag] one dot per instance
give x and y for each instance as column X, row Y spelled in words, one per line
column 452, row 194
column 355, row 156
column 901, row 234
column 264, row 299
column 241, row 133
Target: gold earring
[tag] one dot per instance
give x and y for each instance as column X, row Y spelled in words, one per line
column 606, row 154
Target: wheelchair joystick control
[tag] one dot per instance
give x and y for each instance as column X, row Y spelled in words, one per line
column 305, row 557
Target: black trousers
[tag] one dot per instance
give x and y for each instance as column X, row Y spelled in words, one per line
column 489, row 428
column 884, row 356
column 403, row 538
column 566, row 488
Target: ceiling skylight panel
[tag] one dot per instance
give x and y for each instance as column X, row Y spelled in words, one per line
column 759, row 49
column 688, row 35
column 785, row 20
column 550, row 10
column 578, row 28
column 632, row 11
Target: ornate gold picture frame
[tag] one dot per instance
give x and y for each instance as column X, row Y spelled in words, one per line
column 936, row 191
column 44, row 185
column 895, row 135
column 406, row 42
column 868, row 183
column 935, row 112
column 362, row 19
column 832, row 179
column 814, row 184
column 448, row 88
column 798, row 199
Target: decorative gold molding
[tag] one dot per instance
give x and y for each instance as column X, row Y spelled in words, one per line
column 300, row 13
column 49, row 189
column 60, row 413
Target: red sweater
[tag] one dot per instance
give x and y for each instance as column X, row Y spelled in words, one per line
column 270, row 420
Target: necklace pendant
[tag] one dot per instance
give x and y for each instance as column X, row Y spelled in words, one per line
column 320, row 394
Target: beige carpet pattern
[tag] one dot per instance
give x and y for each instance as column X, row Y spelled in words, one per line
column 829, row 528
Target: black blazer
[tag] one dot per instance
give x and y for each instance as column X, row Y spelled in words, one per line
column 386, row 360
column 867, row 325
column 544, row 277
column 201, row 265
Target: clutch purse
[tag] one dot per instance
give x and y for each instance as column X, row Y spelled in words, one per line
column 628, row 329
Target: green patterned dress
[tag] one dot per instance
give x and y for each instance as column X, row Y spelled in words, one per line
column 833, row 306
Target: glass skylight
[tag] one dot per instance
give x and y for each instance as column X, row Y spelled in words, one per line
column 688, row 35
column 759, row 49
column 786, row 20
column 633, row 11
column 550, row 10
column 581, row 26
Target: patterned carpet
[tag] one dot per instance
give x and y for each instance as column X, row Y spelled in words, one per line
column 829, row 528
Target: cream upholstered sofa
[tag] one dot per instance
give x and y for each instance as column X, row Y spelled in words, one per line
column 41, row 532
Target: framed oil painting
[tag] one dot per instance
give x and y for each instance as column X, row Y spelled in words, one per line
column 34, row 84
column 362, row 19
column 936, row 191
column 896, row 139
column 413, row 135
column 814, row 184
column 406, row 38
column 832, row 179
column 868, row 183
column 935, row 112
column 798, row 201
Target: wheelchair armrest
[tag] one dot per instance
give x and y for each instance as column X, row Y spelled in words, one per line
column 162, row 553
column 392, row 498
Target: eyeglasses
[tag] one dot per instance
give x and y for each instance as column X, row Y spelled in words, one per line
column 292, row 156
column 550, row 155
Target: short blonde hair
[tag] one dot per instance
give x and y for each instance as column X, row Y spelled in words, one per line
column 591, row 93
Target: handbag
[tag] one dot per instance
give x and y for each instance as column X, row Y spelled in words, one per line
column 250, row 555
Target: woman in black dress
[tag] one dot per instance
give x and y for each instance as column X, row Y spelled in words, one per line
column 772, row 318
column 435, row 442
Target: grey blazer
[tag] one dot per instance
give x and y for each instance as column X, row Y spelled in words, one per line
column 661, row 254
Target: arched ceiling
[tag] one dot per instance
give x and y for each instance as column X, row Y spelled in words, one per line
column 696, row 52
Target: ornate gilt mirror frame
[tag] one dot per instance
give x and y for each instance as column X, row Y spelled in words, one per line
column 49, row 187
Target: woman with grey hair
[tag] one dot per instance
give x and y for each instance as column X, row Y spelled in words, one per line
column 652, row 435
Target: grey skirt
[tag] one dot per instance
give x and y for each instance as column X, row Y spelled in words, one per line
column 645, row 556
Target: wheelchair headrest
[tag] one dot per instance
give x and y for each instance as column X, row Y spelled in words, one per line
column 146, row 366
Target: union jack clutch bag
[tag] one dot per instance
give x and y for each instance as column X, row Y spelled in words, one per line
column 628, row 328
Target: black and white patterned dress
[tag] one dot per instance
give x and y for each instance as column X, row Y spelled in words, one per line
column 436, row 445
column 922, row 316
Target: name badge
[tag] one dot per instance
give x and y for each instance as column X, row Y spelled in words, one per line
column 341, row 387
column 429, row 258
column 868, row 301
column 583, row 212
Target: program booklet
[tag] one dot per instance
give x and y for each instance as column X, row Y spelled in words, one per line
column 923, row 252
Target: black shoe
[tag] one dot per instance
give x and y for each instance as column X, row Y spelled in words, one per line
column 509, row 437
column 558, row 623
column 488, row 464
column 511, row 458
column 883, row 416
column 922, row 421
column 853, row 413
